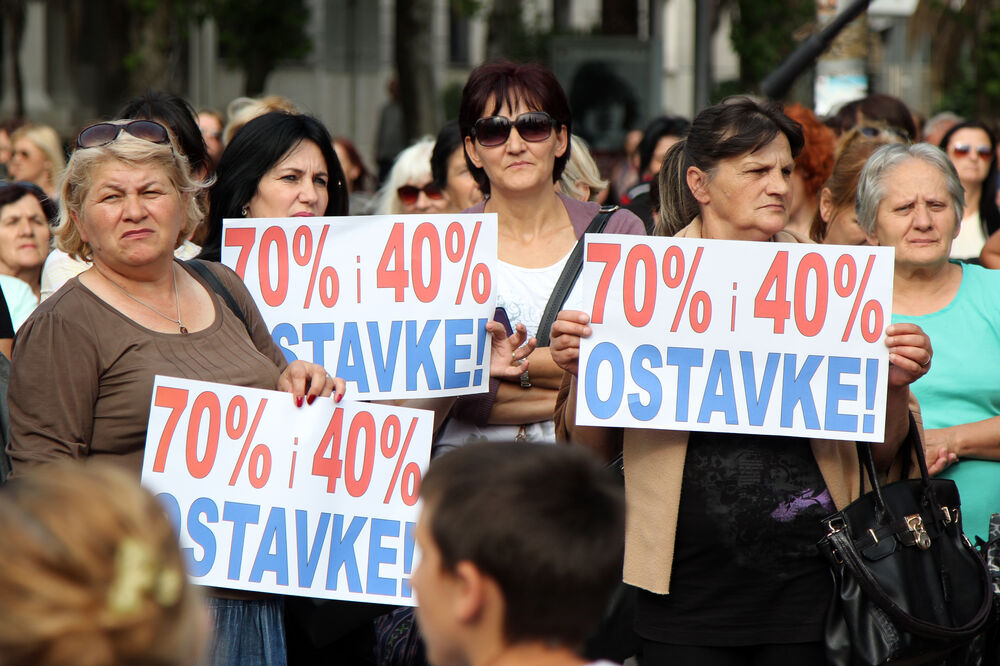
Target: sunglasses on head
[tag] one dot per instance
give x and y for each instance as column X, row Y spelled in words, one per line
column 102, row 134
column 409, row 194
column 963, row 149
column 494, row 131
column 884, row 132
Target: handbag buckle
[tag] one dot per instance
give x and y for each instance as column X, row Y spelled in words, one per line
column 947, row 515
column 834, row 524
column 916, row 526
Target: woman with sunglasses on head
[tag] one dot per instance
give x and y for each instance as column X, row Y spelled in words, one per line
column 970, row 145
column 410, row 188
column 86, row 358
column 516, row 124
column 277, row 165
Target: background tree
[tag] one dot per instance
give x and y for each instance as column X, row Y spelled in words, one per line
column 417, row 88
column 12, row 12
column 762, row 35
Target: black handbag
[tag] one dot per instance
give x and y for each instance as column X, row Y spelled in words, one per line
column 909, row 587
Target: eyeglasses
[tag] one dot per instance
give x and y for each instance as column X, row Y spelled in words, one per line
column 533, row 126
column 409, row 194
column 102, row 134
column 963, row 149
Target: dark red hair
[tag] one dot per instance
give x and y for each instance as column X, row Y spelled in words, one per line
column 815, row 162
column 507, row 82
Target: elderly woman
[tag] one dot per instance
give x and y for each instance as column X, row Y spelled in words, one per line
column 516, row 123
column 723, row 578
column 278, row 165
column 37, row 157
column 910, row 198
column 25, row 215
column 87, row 357
column 410, row 186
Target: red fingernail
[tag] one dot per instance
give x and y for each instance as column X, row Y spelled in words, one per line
column 310, row 399
column 298, row 401
column 338, row 397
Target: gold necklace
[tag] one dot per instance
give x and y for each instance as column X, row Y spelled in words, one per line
column 177, row 301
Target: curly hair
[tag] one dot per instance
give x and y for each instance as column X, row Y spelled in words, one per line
column 815, row 162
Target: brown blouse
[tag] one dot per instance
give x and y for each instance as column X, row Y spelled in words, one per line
column 82, row 378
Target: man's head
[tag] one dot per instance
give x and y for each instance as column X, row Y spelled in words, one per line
column 520, row 544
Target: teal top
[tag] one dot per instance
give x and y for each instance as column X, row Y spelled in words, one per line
column 963, row 383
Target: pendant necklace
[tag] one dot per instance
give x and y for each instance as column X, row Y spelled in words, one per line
column 177, row 301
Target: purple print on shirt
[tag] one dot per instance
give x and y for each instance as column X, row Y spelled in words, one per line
column 799, row 502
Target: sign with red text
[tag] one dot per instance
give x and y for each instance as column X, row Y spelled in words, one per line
column 735, row 336
column 397, row 305
column 315, row 501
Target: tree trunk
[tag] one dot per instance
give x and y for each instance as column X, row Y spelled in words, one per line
column 147, row 62
column 417, row 91
column 13, row 16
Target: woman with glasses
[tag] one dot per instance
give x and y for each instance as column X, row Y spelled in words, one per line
column 410, row 187
column 37, row 157
column 86, row 358
column 970, row 145
column 516, row 124
column 277, row 165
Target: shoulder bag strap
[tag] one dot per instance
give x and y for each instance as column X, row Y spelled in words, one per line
column 216, row 284
column 570, row 272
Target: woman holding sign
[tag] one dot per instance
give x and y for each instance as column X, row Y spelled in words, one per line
column 910, row 197
column 82, row 384
column 516, row 124
column 722, row 527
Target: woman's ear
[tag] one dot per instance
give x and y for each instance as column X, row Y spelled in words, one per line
column 79, row 227
column 562, row 141
column 826, row 206
column 697, row 181
column 470, row 150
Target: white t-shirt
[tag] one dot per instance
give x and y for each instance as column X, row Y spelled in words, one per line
column 523, row 293
column 970, row 240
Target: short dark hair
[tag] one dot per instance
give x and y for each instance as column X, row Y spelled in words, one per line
column 253, row 150
column 655, row 130
column 14, row 191
column 503, row 81
column 178, row 115
column 449, row 139
column 737, row 126
column 546, row 523
column 875, row 107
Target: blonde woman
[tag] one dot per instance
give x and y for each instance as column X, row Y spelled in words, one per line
column 410, row 187
column 37, row 157
column 582, row 179
column 92, row 574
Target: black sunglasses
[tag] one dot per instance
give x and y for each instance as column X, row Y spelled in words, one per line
column 409, row 194
column 102, row 134
column 533, row 126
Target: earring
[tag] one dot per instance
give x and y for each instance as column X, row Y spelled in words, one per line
column 243, row 211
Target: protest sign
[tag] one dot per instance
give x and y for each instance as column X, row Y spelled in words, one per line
column 397, row 305
column 735, row 336
column 316, row 501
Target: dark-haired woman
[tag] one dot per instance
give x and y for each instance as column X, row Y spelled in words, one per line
column 722, row 527
column 277, row 165
column 26, row 214
column 450, row 170
column 971, row 147
column 515, row 120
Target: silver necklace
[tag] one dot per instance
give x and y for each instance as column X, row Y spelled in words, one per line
column 177, row 301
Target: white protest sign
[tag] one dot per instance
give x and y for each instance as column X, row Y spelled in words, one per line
column 735, row 336
column 397, row 305
column 316, row 501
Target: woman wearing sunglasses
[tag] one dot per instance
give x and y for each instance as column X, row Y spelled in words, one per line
column 86, row 358
column 516, row 124
column 410, row 187
column 970, row 146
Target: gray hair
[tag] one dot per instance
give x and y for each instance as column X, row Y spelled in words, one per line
column 871, row 183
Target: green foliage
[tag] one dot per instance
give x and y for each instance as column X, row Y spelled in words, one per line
column 762, row 35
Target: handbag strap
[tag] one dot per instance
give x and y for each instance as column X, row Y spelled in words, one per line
column 216, row 284
column 911, row 444
column 570, row 272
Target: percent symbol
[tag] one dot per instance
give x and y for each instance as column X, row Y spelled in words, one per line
column 409, row 486
column 259, row 469
column 673, row 275
column 454, row 249
column 872, row 316
column 302, row 251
